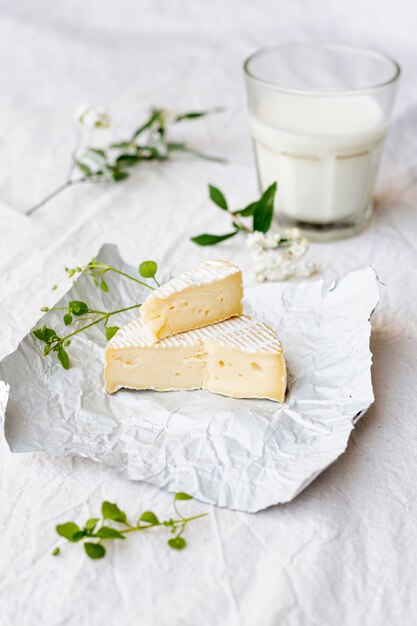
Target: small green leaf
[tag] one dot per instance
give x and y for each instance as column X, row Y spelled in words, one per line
column 149, row 517
column 182, row 496
column 70, row 531
column 84, row 168
column 91, row 524
column 148, row 269
column 218, row 198
column 177, row 147
column 193, row 115
column 118, row 176
column 210, row 240
column 262, row 217
column 77, row 307
column 127, row 160
column 111, row 331
column 110, row 510
column 94, row 550
column 248, row 210
column 149, row 153
column 104, row 286
column 45, row 309
column 154, row 116
column 63, row 358
column 122, row 145
column 105, row 532
column 54, row 287
column 48, row 335
column 177, row 543
column 238, row 226
column 55, row 551
column 67, row 319
column 97, row 151
column 39, row 333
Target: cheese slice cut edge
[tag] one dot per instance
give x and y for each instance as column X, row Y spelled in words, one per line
column 207, row 294
column 240, row 358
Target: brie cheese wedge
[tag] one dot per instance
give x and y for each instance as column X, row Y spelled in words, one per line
column 240, row 357
column 208, row 294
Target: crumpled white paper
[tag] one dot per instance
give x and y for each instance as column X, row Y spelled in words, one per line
column 239, row 454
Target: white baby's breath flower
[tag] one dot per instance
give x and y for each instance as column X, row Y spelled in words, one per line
column 92, row 117
column 279, row 256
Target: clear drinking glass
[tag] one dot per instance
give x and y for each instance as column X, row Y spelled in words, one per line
column 318, row 115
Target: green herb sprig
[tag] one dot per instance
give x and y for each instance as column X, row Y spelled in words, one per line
column 261, row 212
column 96, row 530
column 149, row 142
column 79, row 311
column 97, row 271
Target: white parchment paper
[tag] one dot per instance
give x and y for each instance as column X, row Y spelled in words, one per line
column 240, row 454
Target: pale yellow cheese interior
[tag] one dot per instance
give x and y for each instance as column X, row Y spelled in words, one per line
column 240, row 358
column 188, row 305
column 231, row 372
column 174, row 368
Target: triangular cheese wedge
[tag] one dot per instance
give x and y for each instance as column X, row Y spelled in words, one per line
column 240, row 358
column 210, row 293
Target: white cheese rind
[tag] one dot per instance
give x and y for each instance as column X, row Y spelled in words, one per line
column 208, row 294
column 240, row 357
column 205, row 274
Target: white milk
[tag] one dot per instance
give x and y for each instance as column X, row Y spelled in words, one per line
column 323, row 151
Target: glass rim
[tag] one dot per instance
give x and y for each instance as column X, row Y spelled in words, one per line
column 322, row 92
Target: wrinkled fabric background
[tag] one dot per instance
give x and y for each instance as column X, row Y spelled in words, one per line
column 344, row 551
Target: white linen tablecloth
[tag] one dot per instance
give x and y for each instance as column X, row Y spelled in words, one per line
column 344, row 551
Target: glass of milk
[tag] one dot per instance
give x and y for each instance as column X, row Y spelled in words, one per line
column 318, row 115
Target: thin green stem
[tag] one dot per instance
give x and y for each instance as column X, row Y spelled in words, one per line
column 55, row 192
column 98, row 312
column 83, row 319
column 96, row 268
column 128, row 308
column 155, row 147
column 239, row 222
column 100, row 319
column 183, row 521
column 176, row 510
column 65, row 308
column 113, row 269
column 181, row 530
column 102, row 268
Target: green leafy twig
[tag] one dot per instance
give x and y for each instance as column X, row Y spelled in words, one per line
column 55, row 343
column 77, row 310
column 97, row 270
column 261, row 212
column 112, row 163
column 96, row 530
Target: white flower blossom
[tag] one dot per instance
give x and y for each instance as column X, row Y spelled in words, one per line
column 279, row 256
column 92, row 117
